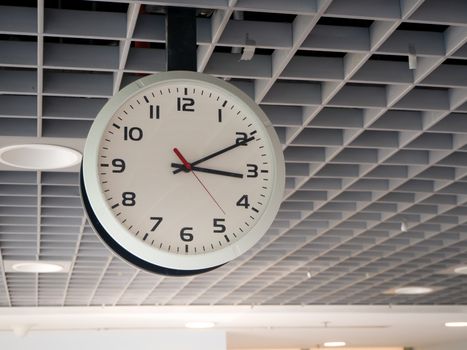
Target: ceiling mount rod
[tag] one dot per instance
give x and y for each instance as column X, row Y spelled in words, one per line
column 180, row 25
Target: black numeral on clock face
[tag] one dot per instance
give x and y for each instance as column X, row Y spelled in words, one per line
column 132, row 133
column 154, row 112
column 186, row 234
column 185, row 104
column 219, row 227
column 243, row 202
column 252, row 170
column 128, row 199
column 157, row 221
column 119, row 165
column 241, row 138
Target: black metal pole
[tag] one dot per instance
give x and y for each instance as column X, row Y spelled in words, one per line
column 180, row 28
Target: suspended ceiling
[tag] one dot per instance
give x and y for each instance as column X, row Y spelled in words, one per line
column 369, row 144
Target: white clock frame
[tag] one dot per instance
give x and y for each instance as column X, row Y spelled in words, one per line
column 132, row 249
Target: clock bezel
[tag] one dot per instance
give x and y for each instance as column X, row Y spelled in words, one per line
column 115, row 235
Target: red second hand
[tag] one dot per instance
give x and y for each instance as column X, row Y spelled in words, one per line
column 188, row 167
column 182, row 158
column 197, row 178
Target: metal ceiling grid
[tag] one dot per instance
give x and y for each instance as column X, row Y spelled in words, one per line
column 369, row 144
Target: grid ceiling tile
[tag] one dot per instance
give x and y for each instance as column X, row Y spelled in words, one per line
column 369, row 99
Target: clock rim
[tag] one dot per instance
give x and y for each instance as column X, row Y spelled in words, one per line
column 99, row 207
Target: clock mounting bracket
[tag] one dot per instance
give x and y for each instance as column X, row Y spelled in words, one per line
column 180, row 29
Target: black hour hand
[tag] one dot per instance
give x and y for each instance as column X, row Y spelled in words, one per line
column 206, row 170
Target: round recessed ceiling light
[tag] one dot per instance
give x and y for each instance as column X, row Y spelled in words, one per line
column 39, row 157
column 413, row 290
column 199, row 325
column 462, row 270
column 35, row 267
column 456, row 324
column 334, row 344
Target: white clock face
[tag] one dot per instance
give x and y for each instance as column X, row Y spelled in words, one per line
column 186, row 170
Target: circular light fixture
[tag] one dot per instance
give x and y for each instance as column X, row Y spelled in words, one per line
column 35, row 267
column 456, row 324
column 334, row 344
column 199, row 325
column 413, row 290
column 462, row 270
column 39, row 157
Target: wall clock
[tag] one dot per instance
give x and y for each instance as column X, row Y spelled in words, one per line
column 181, row 173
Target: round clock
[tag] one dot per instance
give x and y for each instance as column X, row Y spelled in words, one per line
column 181, row 173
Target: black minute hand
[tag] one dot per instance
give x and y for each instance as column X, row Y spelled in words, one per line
column 215, row 154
